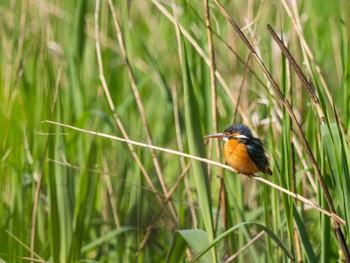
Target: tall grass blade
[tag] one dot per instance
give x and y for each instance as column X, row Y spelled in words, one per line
column 305, row 241
column 337, row 155
column 84, row 205
column 286, row 178
column 236, row 213
column 60, row 204
column 196, row 147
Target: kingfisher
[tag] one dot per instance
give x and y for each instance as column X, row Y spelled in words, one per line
column 243, row 152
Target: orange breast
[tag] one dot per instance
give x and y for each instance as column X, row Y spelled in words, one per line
column 237, row 157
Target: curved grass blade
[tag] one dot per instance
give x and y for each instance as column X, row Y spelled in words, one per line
column 196, row 239
column 268, row 231
column 105, row 238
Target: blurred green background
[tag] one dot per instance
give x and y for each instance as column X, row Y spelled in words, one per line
column 73, row 197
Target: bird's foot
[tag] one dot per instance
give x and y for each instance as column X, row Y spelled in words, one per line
column 236, row 171
column 251, row 175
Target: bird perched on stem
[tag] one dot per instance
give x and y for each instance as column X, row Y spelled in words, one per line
column 243, row 152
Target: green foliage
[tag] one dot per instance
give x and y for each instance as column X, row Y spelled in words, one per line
column 72, row 197
column 196, row 239
column 196, row 147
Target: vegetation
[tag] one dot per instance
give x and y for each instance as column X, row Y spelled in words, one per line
column 88, row 87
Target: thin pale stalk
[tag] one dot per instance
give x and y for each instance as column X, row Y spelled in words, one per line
column 145, row 239
column 332, row 215
column 166, row 200
column 24, row 245
column 35, row 208
column 201, row 52
column 214, row 113
column 177, row 183
column 244, row 248
column 139, row 104
column 177, row 29
column 114, row 112
column 298, row 245
column 19, row 64
column 212, row 68
column 112, row 200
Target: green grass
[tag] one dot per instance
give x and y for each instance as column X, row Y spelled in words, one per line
column 69, row 196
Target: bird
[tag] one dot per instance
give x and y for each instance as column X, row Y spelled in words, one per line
column 243, row 152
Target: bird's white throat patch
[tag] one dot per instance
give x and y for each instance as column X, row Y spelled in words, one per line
column 236, row 137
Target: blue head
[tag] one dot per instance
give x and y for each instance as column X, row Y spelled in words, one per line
column 239, row 128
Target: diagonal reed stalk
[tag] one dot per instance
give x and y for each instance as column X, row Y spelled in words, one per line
column 297, row 26
column 297, row 126
column 201, row 52
column 308, row 202
column 114, row 112
column 244, row 248
column 139, row 104
column 316, row 101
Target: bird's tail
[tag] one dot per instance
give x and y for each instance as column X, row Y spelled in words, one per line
column 268, row 170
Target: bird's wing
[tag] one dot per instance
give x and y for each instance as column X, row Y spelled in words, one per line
column 255, row 149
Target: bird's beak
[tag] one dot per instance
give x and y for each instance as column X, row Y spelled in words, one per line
column 217, row 135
